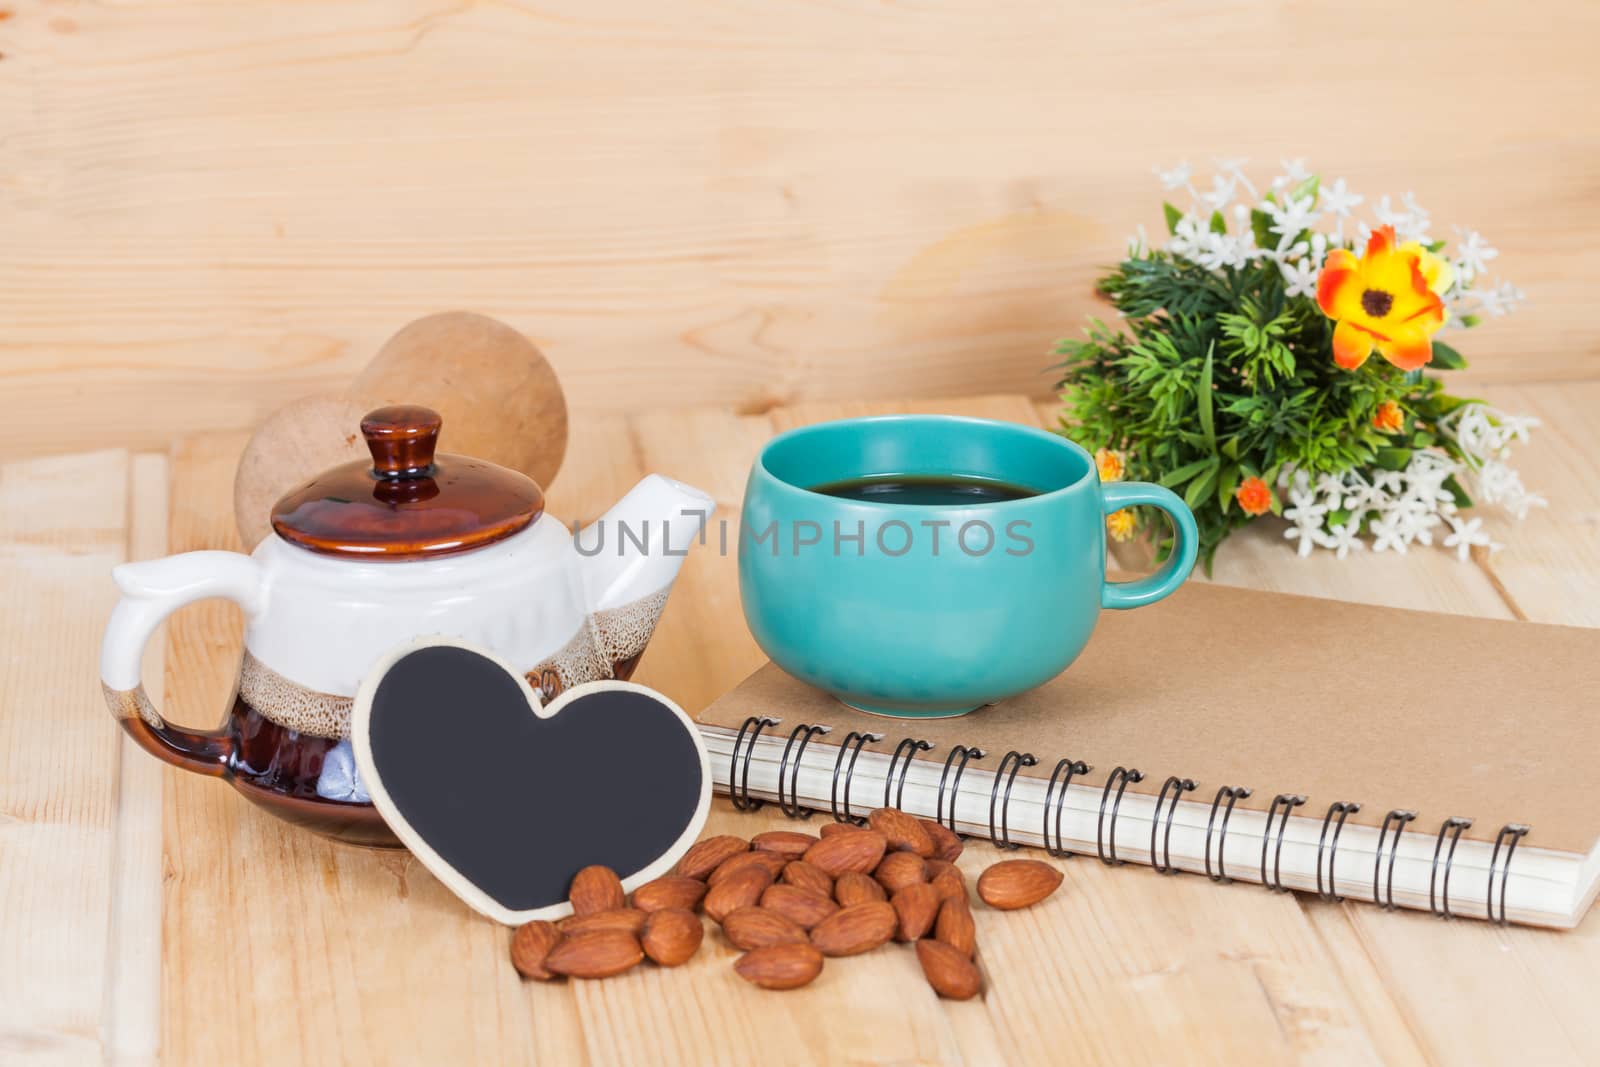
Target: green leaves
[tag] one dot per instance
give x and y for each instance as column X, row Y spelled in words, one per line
column 1172, row 215
column 1207, row 426
column 1187, row 471
column 1446, row 358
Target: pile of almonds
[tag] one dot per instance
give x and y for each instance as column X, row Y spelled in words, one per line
column 788, row 900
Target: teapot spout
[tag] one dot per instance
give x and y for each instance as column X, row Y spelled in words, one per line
column 633, row 551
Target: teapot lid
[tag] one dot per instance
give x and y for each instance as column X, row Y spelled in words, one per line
column 409, row 503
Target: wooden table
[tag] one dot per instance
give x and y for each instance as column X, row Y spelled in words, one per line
column 151, row 914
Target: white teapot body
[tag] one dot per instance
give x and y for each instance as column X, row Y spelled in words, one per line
column 566, row 606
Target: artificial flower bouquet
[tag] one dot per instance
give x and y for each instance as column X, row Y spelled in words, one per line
column 1275, row 356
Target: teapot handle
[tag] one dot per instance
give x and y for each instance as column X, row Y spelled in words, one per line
column 151, row 591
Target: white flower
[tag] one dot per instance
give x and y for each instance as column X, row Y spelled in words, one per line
column 1387, row 482
column 1360, row 496
column 1188, row 237
column 1218, row 250
column 1300, row 277
column 1339, row 200
column 1221, row 194
column 1343, row 539
column 1516, row 427
column 1176, row 177
column 1288, row 248
column 1465, row 535
column 1410, row 222
column 1308, row 537
column 1139, row 243
column 1332, row 488
column 1472, row 255
column 1387, row 532
column 1294, row 172
column 1500, row 300
column 1306, row 511
column 1233, row 167
column 1291, row 217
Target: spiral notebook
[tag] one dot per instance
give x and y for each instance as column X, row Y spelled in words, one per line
column 1399, row 757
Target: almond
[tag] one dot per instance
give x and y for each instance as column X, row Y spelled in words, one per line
column 800, row 906
column 856, row 929
column 955, row 927
column 905, row 833
column 950, row 883
column 949, row 972
column 752, row 928
column 773, row 862
column 916, row 906
column 671, row 936
column 596, row 888
column 804, row 875
column 900, row 869
column 857, row 851
column 629, row 920
column 829, row 829
column 779, row 966
column 789, row 843
column 739, row 890
column 1012, row 884
column 855, row 888
column 597, row 955
column 709, row 854
column 672, row 891
column 530, row 945
column 947, row 844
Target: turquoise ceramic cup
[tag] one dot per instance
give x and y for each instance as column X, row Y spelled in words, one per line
column 931, row 610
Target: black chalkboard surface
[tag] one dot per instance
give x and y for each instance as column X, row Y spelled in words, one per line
column 504, row 800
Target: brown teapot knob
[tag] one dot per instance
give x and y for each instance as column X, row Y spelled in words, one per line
column 402, row 438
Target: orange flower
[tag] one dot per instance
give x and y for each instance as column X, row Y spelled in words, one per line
column 1120, row 524
column 1388, row 300
column 1110, row 464
column 1253, row 496
column 1389, row 418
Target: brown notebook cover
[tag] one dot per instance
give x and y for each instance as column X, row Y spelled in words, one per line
column 1445, row 715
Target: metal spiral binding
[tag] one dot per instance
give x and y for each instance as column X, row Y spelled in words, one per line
column 966, row 752
column 838, row 764
column 910, row 746
column 1184, row 785
column 1017, row 761
column 1343, row 809
column 1510, row 835
column 1072, row 767
column 1399, row 817
column 1121, row 776
column 790, row 805
column 1233, row 793
column 1290, row 801
column 746, row 802
column 1442, row 908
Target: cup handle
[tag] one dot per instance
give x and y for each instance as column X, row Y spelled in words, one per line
column 151, row 591
column 1115, row 496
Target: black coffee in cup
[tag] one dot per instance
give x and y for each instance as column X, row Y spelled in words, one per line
column 927, row 490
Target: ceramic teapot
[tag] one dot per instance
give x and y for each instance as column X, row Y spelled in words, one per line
column 362, row 559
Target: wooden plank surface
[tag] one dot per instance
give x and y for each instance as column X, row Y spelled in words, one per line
column 63, row 526
column 212, row 208
column 333, row 955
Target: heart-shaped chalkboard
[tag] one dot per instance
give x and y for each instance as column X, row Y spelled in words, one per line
column 505, row 800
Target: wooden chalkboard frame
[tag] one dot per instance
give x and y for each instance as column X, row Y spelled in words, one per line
column 471, row 894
